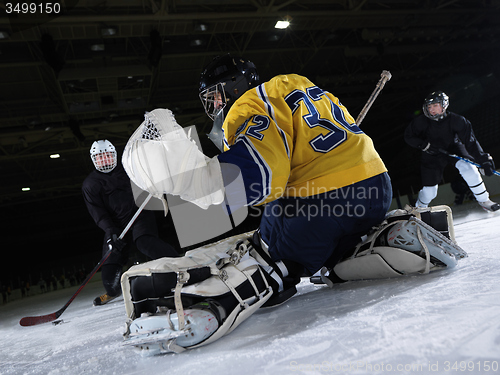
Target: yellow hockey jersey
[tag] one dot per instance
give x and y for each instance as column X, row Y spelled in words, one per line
column 290, row 138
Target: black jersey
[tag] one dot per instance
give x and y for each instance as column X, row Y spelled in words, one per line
column 445, row 134
column 110, row 201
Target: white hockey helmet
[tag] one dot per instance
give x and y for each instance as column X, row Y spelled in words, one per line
column 103, row 155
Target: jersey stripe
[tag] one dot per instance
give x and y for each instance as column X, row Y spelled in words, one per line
column 261, row 93
column 265, row 171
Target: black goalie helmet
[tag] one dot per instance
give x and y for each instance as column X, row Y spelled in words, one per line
column 222, row 82
column 433, row 98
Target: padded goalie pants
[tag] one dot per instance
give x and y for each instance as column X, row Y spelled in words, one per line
column 317, row 231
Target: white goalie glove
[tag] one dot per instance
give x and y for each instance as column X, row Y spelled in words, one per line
column 161, row 159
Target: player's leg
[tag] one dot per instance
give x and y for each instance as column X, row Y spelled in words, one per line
column 473, row 178
column 111, row 272
column 431, row 173
column 146, row 238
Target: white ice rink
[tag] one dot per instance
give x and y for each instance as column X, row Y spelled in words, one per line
column 447, row 322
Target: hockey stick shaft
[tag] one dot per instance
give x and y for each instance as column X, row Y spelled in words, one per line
column 385, row 76
column 466, row 160
column 34, row 320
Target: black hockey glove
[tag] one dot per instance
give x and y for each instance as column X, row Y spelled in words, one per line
column 431, row 149
column 488, row 167
column 115, row 243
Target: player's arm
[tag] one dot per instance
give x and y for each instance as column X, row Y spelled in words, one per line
column 414, row 136
column 260, row 153
column 467, row 136
column 96, row 209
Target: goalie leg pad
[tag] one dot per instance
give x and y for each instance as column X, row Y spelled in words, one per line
column 383, row 262
column 156, row 292
column 405, row 244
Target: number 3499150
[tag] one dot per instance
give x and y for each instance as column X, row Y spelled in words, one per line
column 471, row 366
column 32, row 8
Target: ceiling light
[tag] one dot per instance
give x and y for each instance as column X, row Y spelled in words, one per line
column 201, row 27
column 26, row 189
column 35, row 121
column 97, row 47
column 196, row 42
column 108, row 31
column 55, row 156
column 282, row 24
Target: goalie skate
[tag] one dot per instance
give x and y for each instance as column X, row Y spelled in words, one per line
column 426, row 230
column 159, row 333
column 441, row 248
column 402, row 245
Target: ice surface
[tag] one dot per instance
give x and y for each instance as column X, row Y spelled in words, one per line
column 447, row 322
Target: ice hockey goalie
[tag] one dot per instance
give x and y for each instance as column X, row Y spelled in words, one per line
column 174, row 304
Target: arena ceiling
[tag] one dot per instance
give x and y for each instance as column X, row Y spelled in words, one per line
column 92, row 72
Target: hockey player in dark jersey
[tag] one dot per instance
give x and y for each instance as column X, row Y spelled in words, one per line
column 441, row 130
column 108, row 195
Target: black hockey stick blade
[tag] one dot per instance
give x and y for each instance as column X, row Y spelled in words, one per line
column 34, row 320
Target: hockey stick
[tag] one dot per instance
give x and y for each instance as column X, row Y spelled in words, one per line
column 466, row 160
column 34, row 320
column 386, row 76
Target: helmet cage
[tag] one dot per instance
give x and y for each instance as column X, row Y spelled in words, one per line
column 226, row 77
column 104, row 156
column 214, row 99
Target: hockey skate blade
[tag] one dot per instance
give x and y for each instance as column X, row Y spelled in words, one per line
column 159, row 330
column 153, row 337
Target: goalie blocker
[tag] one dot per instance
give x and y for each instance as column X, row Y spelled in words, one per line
column 174, row 304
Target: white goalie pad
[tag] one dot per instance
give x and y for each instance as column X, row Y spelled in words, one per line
column 175, row 304
column 404, row 244
column 161, row 159
column 383, row 262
